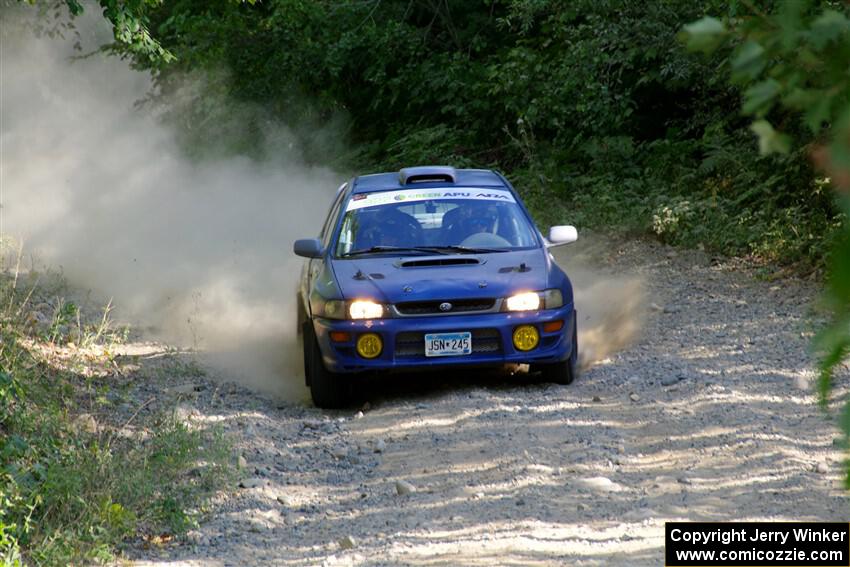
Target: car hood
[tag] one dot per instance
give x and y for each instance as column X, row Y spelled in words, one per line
column 393, row 279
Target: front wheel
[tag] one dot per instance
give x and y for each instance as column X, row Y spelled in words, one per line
column 329, row 390
column 557, row 372
column 561, row 372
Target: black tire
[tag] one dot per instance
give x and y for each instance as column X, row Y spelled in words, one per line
column 561, row 372
column 305, row 337
column 557, row 372
column 329, row 390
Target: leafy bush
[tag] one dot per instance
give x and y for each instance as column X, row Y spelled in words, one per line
column 593, row 107
column 72, row 490
column 666, row 219
column 792, row 64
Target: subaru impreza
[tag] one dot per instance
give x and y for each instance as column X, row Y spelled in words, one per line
column 433, row 268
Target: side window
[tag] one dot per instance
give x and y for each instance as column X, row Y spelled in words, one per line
column 327, row 229
column 347, row 234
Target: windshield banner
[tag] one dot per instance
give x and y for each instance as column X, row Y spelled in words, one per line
column 361, row 200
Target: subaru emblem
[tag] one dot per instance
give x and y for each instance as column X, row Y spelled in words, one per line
column 446, row 306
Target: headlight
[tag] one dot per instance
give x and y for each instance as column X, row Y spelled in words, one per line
column 334, row 309
column 528, row 301
column 364, row 309
column 552, row 299
column 357, row 309
column 533, row 300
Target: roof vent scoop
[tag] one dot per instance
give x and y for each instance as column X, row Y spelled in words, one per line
column 427, row 174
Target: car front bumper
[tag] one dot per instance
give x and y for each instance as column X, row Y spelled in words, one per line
column 404, row 347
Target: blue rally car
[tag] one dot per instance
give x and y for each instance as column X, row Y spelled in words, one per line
column 432, row 267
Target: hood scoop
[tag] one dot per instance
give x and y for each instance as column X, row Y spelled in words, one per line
column 361, row 276
column 521, row 268
column 426, row 262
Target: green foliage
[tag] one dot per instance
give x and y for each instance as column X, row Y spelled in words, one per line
column 792, row 64
column 129, row 20
column 704, row 34
column 70, row 493
column 434, row 144
column 593, row 107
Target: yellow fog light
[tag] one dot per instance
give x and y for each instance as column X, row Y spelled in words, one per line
column 526, row 337
column 369, row 345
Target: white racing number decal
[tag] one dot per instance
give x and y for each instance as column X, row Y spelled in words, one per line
column 362, row 200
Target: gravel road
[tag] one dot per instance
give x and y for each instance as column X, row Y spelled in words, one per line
column 706, row 415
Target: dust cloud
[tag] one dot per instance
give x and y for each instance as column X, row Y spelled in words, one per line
column 611, row 307
column 200, row 252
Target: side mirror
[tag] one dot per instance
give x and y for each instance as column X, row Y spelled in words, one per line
column 309, row 248
column 562, row 235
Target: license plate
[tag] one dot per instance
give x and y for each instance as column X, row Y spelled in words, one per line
column 448, row 344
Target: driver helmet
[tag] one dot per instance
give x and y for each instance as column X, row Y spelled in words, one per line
column 479, row 217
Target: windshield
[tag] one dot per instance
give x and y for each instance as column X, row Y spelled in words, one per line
column 457, row 219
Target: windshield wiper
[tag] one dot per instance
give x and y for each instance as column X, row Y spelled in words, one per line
column 374, row 249
column 427, row 249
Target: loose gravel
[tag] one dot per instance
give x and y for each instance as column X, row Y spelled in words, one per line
column 707, row 416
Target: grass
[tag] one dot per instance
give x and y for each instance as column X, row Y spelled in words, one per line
column 75, row 488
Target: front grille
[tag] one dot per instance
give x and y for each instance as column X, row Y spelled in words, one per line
column 433, row 307
column 412, row 344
